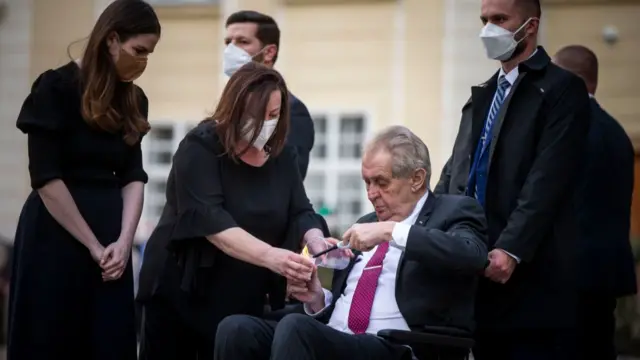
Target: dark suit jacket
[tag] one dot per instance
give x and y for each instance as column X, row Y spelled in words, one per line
column 438, row 271
column 301, row 133
column 604, row 198
column 538, row 142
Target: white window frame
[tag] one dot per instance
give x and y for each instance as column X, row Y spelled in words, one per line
column 148, row 220
column 332, row 166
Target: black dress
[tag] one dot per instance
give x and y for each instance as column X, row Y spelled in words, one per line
column 187, row 285
column 59, row 306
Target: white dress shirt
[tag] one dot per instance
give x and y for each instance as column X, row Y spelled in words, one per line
column 384, row 313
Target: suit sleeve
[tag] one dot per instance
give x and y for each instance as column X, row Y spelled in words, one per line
column 445, row 178
column 461, row 247
column 554, row 170
column 301, row 135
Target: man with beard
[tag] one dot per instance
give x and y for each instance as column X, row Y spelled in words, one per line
column 253, row 36
column 518, row 150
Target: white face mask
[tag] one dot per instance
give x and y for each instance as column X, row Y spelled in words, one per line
column 500, row 43
column 268, row 128
column 234, row 58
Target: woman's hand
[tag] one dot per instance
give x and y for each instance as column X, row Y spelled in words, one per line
column 96, row 252
column 114, row 259
column 293, row 266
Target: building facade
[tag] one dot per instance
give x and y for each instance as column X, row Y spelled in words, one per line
column 358, row 65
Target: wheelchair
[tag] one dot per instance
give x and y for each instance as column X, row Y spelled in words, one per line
column 433, row 342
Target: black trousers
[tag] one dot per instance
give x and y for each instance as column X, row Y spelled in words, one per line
column 299, row 337
column 596, row 327
column 169, row 333
column 547, row 344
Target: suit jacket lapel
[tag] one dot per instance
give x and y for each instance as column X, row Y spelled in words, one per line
column 497, row 126
column 481, row 98
column 422, row 219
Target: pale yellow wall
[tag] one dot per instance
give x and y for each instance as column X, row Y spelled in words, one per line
column 619, row 80
column 181, row 80
column 423, row 45
column 339, row 57
column 54, row 27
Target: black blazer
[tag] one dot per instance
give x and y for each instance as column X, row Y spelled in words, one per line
column 534, row 157
column 607, row 266
column 301, row 133
column 438, row 271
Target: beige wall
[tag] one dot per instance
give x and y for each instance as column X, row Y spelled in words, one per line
column 15, row 36
column 341, row 57
column 181, row 80
column 54, row 28
column 619, row 83
column 333, row 62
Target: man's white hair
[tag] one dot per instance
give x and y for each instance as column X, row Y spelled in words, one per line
column 408, row 152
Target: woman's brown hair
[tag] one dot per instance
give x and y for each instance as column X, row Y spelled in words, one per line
column 244, row 98
column 108, row 103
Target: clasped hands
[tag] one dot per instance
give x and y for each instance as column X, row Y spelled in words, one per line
column 113, row 259
column 501, row 266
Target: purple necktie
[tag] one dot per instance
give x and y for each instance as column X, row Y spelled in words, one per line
column 360, row 311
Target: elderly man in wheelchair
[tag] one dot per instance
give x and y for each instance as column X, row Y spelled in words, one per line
column 408, row 290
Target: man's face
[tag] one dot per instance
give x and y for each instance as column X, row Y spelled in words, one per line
column 392, row 198
column 243, row 35
column 503, row 13
column 507, row 15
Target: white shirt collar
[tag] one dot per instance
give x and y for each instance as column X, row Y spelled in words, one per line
column 411, row 219
column 513, row 74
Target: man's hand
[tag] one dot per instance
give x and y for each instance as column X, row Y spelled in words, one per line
column 501, row 266
column 365, row 237
column 309, row 292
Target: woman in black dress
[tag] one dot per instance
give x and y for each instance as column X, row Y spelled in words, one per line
column 72, row 282
column 235, row 218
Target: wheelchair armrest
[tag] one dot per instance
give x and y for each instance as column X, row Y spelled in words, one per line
column 430, row 335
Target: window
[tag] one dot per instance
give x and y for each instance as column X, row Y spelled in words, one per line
column 334, row 183
column 158, row 148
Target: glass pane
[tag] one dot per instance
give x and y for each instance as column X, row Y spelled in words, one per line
column 160, row 148
column 319, row 150
column 350, row 182
column 320, row 124
column 314, row 185
column 158, row 187
column 352, row 124
column 351, row 137
column 161, row 133
column 314, row 182
column 350, row 203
